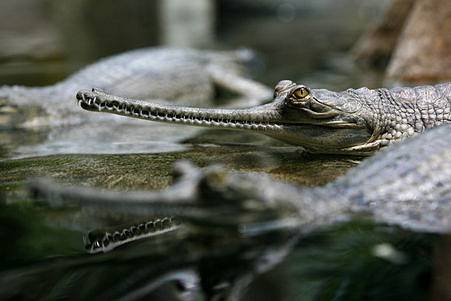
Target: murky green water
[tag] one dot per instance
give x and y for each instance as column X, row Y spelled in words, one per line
column 42, row 248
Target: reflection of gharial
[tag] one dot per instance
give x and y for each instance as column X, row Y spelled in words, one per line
column 104, row 240
column 408, row 184
column 183, row 75
column 350, row 122
column 257, row 219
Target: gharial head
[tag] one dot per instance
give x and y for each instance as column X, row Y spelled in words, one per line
column 316, row 119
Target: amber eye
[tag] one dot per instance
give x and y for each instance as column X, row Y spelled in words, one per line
column 301, row 93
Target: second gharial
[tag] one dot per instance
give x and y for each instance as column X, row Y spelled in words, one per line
column 184, row 76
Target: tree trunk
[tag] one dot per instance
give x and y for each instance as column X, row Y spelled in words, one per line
column 375, row 48
column 423, row 52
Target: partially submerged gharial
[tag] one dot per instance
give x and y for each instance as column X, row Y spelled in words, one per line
column 185, row 76
column 350, row 122
column 407, row 185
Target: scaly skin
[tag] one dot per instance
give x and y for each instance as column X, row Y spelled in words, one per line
column 185, row 76
column 356, row 122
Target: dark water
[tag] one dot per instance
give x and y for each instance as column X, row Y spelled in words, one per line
column 42, row 249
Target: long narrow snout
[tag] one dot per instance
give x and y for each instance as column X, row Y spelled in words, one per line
column 259, row 118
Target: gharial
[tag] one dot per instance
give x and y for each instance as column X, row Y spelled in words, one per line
column 355, row 121
column 185, row 76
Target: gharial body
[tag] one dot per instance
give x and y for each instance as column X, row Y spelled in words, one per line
column 185, row 76
column 355, row 121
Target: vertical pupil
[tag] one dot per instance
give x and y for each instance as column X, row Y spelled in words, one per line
column 301, row 92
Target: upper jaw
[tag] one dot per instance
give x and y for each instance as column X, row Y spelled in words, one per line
column 97, row 100
column 254, row 118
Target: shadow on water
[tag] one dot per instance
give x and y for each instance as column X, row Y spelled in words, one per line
column 42, row 249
